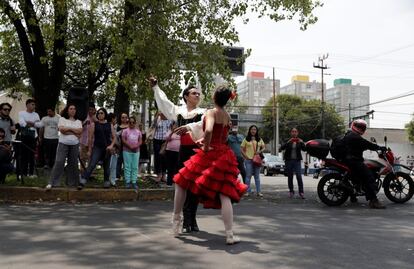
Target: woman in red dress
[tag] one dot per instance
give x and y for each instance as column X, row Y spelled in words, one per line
column 212, row 172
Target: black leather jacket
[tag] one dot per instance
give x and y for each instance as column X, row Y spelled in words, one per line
column 356, row 145
column 287, row 147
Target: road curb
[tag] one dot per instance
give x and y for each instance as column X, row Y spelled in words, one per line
column 25, row 194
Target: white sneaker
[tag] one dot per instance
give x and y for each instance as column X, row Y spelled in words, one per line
column 48, row 187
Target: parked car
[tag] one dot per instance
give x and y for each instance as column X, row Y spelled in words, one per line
column 272, row 165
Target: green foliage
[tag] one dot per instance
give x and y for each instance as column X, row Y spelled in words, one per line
column 13, row 75
column 175, row 40
column 305, row 115
column 410, row 130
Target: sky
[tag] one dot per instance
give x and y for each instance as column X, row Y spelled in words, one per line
column 368, row 41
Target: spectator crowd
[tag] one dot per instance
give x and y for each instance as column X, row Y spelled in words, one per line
column 120, row 145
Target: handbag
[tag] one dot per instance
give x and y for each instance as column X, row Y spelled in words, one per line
column 151, row 131
column 150, row 134
column 257, row 160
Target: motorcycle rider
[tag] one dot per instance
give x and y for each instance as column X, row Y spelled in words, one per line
column 356, row 145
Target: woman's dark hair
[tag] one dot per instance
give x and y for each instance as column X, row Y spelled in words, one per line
column 111, row 116
column 186, row 91
column 221, row 95
column 132, row 118
column 249, row 135
column 104, row 111
column 120, row 117
column 65, row 113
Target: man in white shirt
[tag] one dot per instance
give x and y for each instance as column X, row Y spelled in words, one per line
column 49, row 137
column 188, row 116
column 28, row 120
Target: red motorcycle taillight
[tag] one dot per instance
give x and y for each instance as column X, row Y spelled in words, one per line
column 390, row 157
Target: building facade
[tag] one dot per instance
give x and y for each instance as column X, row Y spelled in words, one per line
column 350, row 101
column 256, row 91
column 302, row 87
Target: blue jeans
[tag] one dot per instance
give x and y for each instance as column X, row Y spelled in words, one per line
column 294, row 167
column 251, row 169
column 113, row 165
column 98, row 154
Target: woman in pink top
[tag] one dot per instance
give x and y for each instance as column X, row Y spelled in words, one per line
column 131, row 140
column 172, row 153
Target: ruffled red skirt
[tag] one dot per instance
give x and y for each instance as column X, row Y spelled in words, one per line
column 207, row 174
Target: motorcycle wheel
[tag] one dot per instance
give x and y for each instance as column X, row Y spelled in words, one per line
column 328, row 191
column 399, row 189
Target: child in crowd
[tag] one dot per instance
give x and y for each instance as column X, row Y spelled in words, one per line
column 131, row 140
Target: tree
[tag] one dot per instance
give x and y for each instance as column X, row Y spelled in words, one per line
column 89, row 60
column 166, row 37
column 410, row 130
column 115, row 44
column 42, row 44
column 13, row 75
column 302, row 114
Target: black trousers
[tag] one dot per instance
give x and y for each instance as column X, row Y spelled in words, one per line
column 242, row 169
column 191, row 201
column 360, row 171
column 49, row 151
column 160, row 165
column 27, row 156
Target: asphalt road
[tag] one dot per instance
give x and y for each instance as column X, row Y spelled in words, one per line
column 276, row 232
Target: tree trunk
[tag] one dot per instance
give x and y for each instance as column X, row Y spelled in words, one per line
column 46, row 82
column 122, row 97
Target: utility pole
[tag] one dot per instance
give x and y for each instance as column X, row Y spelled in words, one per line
column 274, row 146
column 277, row 128
column 322, row 66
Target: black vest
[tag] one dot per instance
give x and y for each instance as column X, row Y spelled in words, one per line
column 181, row 121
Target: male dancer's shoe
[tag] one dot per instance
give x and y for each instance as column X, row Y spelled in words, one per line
column 194, row 226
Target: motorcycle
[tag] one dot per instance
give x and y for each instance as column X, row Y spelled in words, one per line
column 337, row 185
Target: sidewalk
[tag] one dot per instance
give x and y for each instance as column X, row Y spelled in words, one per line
column 274, row 188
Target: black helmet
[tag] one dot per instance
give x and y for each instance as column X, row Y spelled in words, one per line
column 359, row 126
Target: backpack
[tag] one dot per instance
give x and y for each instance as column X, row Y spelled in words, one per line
column 338, row 148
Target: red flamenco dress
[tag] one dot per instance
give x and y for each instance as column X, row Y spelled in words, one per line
column 207, row 174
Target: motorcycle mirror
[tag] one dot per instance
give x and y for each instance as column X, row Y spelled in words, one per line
column 373, row 140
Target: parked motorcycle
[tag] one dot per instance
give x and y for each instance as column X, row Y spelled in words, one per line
column 337, row 184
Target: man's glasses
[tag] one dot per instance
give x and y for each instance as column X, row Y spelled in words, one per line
column 6, row 109
column 195, row 93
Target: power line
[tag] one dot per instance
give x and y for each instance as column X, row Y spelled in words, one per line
column 380, row 54
column 384, row 100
